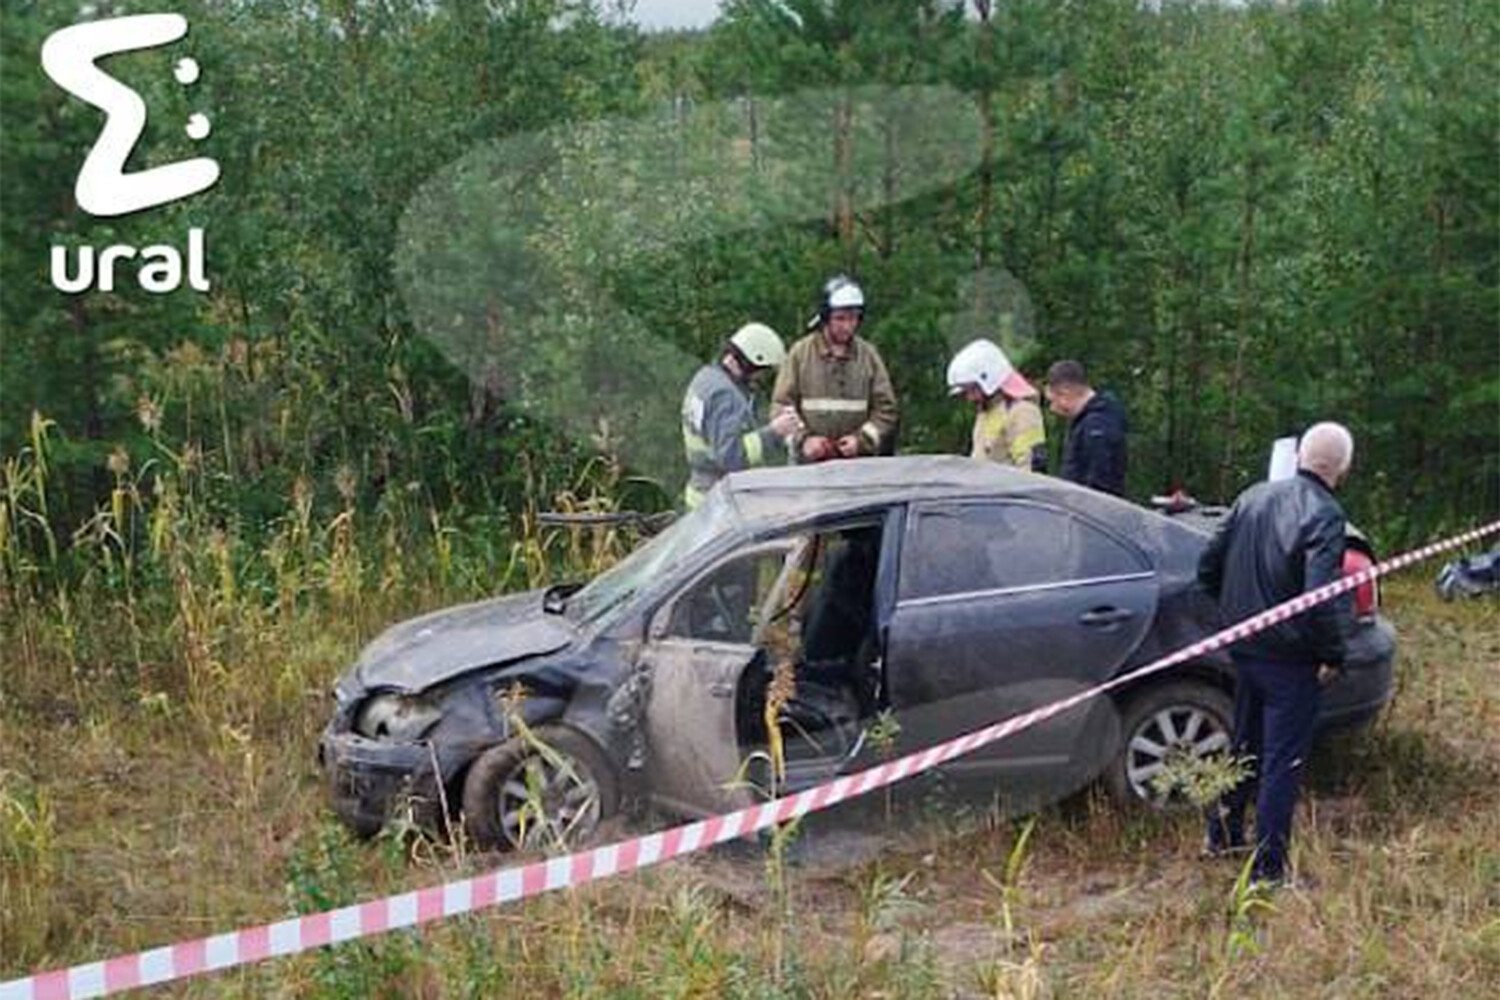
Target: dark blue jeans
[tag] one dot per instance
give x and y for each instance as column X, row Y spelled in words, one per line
column 1275, row 709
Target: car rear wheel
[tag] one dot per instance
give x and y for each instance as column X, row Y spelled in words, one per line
column 549, row 791
column 1160, row 727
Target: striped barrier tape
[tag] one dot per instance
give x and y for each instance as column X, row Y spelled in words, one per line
column 421, row 906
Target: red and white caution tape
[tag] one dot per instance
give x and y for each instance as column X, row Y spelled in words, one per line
column 411, row 909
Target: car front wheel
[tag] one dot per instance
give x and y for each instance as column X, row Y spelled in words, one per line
column 548, row 791
column 1161, row 727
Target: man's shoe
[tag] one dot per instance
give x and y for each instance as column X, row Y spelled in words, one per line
column 1218, row 852
column 1297, row 883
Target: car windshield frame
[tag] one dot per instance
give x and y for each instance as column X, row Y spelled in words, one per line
column 647, row 565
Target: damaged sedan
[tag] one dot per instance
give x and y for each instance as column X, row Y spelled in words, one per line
column 896, row 603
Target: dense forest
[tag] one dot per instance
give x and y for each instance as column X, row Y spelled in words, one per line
column 463, row 257
column 462, row 250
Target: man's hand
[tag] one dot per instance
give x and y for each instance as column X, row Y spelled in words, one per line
column 786, row 424
column 817, row 448
column 849, row 446
column 1327, row 674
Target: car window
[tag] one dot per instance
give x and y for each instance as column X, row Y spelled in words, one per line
column 723, row 604
column 611, row 589
column 959, row 548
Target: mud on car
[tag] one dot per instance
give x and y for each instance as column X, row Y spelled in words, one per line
column 915, row 598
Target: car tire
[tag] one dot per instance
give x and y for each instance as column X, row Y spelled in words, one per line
column 1173, row 718
column 549, row 791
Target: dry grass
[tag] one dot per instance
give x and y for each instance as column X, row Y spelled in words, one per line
column 157, row 781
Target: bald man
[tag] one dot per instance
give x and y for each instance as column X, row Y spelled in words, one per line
column 1281, row 539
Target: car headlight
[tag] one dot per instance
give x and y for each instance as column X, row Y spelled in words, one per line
column 396, row 717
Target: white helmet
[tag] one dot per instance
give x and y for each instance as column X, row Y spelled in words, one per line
column 839, row 292
column 982, row 363
column 759, row 344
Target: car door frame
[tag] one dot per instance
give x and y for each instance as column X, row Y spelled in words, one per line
column 707, row 674
column 913, row 517
column 694, row 766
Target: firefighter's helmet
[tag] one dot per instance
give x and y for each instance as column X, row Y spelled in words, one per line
column 982, row 363
column 759, row 345
column 839, row 292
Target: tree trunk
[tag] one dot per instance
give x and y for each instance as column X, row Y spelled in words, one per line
column 984, row 38
column 889, row 186
column 843, row 156
column 1242, row 322
column 754, row 135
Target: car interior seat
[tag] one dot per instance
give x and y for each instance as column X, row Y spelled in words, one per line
column 839, row 625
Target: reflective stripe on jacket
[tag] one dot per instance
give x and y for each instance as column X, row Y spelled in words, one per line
column 839, row 396
column 1011, row 432
column 720, row 434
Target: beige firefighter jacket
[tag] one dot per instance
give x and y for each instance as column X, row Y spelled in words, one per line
column 839, row 396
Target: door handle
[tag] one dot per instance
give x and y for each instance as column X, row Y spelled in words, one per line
column 1105, row 617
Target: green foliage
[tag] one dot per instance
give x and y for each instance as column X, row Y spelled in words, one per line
column 1203, row 780
column 29, row 861
column 1242, row 218
column 1249, row 900
column 321, row 876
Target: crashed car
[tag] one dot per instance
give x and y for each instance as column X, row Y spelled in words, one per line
column 909, row 600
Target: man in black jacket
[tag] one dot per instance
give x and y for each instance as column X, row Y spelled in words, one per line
column 1094, row 452
column 1281, row 539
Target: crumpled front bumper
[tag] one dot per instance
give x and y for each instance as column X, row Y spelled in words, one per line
column 369, row 780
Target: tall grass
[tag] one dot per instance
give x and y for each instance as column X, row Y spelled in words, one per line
column 29, row 864
column 165, row 676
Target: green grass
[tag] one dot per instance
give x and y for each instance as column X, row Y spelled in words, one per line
column 157, row 782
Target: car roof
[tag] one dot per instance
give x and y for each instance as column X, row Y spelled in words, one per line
column 794, row 491
column 764, row 499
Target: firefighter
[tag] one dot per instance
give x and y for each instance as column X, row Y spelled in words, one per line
column 1007, row 419
column 719, row 428
column 837, row 383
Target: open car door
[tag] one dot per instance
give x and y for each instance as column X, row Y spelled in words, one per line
column 699, row 645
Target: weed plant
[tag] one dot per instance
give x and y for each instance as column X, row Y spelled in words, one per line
column 165, row 675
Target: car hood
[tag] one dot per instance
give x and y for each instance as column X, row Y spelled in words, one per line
column 418, row 654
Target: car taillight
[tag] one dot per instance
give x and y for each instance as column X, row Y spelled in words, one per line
column 1367, row 594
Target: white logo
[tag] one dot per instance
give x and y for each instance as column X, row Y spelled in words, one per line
column 103, row 187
